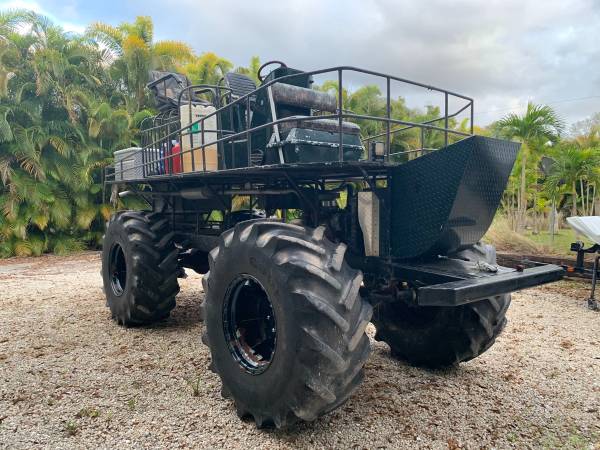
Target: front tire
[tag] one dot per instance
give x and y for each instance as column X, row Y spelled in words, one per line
column 284, row 322
column 139, row 268
column 436, row 336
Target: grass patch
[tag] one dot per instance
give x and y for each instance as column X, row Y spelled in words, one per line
column 506, row 240
column 131, row 403
column 560, row 244
column 71, row 427
column 574, row 440
column 88, row 412
column 195, row 385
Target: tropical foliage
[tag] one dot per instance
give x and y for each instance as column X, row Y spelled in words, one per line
column 572, row 166
column 404, row 143
column 68, row 102
column 537, row 128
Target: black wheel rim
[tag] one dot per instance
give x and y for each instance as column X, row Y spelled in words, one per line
column 118, row 270
column 249, row 324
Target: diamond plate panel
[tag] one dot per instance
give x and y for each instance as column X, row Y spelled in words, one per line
column 446, row 200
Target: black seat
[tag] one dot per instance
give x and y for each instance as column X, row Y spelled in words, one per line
column 239, row 84
column 330, row 125
column 168, row 88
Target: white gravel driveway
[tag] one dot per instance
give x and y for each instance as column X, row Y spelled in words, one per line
column 71, row 378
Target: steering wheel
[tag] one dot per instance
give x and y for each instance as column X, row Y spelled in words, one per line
column 259, row 73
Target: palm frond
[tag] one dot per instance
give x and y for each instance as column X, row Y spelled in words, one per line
column 22, row 248
column 6, row 170
column 6, row 248
column 61, row 212
column 6, row 134
column 64, row 244
column 109, row 36
column 175, row 51
column 84, row 216
column 37, row 243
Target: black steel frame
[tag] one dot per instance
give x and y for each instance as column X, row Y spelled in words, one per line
column 163, row 129
column 307, row 181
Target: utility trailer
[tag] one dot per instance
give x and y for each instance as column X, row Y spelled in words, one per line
column 306, row 229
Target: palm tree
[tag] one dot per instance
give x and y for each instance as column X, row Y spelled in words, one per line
column 49, row 180
column 574, row 166
column 208, row 68
column 538, row 126
column 134, row 53
column 8, row 23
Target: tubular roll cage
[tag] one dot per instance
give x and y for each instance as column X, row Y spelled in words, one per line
column 159, row 132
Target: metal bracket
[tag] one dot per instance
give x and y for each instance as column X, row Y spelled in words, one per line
column 275, row 126
column 301, row 194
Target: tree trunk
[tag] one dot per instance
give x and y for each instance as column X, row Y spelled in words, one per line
column 535, row 215
column 552, row 221
column 583, row 200
column 574, row 194
column 523, row 193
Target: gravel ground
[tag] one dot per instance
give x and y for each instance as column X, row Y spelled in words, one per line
column 71, row 378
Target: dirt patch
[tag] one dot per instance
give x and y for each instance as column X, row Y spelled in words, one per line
column 70, row 377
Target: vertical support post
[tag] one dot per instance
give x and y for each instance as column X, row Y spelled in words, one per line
column 144, row 145
column 157, row 149
column 162, row 147
column 592, row 303
column 180, row 150
column 275, row 126
column 248, row 143
column 472, row 115
column 190, row 131
column 167, row 151
column 231, row 124
column 201, row 124
column 445, row 119
column 388, row 114
column 153, row 144
column 422, row 139
column 340, row 108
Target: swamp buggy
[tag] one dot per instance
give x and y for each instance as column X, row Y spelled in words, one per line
column 306, row 229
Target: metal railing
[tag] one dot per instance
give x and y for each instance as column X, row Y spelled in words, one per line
column 158, row 137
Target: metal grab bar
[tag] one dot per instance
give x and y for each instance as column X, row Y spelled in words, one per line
column 156, row 136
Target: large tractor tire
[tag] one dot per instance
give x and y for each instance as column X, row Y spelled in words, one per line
column 139, row 268
column 285, row 322
column 438, row 337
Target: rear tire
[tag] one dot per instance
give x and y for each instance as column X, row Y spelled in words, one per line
column 312, row 346
column 437, row 337
column 139, row 267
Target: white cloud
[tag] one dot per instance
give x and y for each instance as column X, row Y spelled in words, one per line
column 501, row 52
column 35, row 7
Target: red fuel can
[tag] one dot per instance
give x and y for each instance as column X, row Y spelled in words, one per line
column 175, row 164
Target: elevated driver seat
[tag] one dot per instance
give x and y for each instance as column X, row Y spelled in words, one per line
column 307, row 138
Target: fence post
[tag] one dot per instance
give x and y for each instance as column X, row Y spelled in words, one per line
column 340, row 107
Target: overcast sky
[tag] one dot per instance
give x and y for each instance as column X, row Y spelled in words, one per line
column 500, row 52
